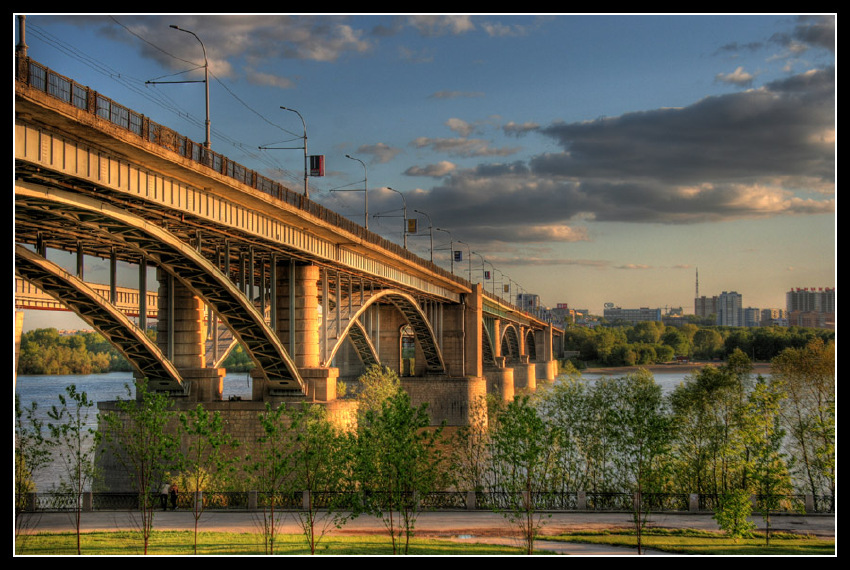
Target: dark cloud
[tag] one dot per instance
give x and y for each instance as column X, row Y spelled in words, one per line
column 761, row 152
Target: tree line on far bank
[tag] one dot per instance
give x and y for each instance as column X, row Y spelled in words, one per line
column 653, row 342
column 46, row 351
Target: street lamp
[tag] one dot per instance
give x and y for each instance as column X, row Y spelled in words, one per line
column 451, row 248
column 365, row 190
column 482, row 268
column 468, row 258
column 404, row 222
column 304, row 124
column 206, row 83
column 430, row 231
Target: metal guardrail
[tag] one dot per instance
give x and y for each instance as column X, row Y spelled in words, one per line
column 437, row 501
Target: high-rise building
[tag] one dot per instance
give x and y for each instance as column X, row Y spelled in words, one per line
column 704, row 306
column 730, row 309
column 820, row 300
column 810, row 307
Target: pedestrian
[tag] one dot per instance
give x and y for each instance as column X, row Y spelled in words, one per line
column 163, row 496
column 174, row 492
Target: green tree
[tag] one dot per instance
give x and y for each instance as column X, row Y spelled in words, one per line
column 522, row 445
column 767, row 469
column 732, row 513
column 72, row 438
column 321, row 462
column 398, row 460
column 643, row 440
column 139, row 436
column 808, row 413
column 207, row 456
column 32, row 454
column 270, row 469
column 376, row 385
column 708, row 343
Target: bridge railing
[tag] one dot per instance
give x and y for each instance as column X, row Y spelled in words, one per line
column 437, row 501
column 43, row 79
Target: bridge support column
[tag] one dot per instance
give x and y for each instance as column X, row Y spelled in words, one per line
column 182, row 331
column 181, row 335
column 473, row 332
column 500, row 380
column 525, row 375
column 547, row 365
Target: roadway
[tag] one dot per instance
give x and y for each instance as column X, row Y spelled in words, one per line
column 461, row 526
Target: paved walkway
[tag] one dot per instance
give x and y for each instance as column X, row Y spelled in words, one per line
column 462, row 526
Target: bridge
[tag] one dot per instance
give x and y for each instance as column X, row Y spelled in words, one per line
column 311, row 296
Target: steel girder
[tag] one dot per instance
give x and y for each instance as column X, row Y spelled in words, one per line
column 129, row 339
column 204, row 279
column 349, row 325
column 510, row 342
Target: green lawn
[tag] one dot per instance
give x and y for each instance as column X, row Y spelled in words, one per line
column 707, row 543
column 175, row 543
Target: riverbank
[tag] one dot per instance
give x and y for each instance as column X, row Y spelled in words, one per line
column 674, row 367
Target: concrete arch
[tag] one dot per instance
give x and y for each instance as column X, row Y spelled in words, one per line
column 126, row 337
column 199, row 275
column 531, row 345
column 488, row 350
column 510, row 342
column 413, row 314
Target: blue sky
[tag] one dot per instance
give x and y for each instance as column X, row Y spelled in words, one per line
column 588, row 158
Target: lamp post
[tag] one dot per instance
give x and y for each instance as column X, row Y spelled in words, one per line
column 304, row 124
column 365, row 190
column 482, row 267
column 492, row 278
column 404, row 215
column 451, row 248
column 206, row 84
column 430, row 231
column 468, row 258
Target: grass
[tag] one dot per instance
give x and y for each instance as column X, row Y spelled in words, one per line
column 694, row 542
column 177, row 543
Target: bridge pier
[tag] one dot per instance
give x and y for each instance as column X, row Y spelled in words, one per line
column 450, row 400
column 181, row 336
column 500, row 380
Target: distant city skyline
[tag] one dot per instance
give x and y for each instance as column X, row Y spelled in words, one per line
column 588, row 158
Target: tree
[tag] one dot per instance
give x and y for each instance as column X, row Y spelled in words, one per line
column 32, row 454
column 73, row 438
column 270, row 467
column 732, row 513
column 643, row 438
column 767, row 470
column 808, row 413
column 521, row 446
column 208, row 456
column 707, row 343
column 398, row 459
column 376, row 385
column 321, row 462
column 138, row 435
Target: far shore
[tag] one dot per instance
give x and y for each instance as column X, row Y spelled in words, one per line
column 758, row 368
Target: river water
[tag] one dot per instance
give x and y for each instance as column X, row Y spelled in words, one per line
column 45, row 391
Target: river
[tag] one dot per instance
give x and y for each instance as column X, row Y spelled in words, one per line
column 45, row 391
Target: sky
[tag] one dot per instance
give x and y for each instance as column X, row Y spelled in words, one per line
column 588, row 159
